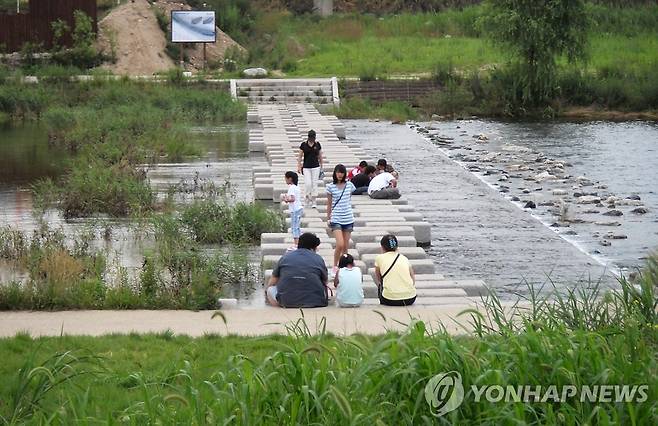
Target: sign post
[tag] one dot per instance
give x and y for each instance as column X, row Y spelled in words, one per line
column 193, row 26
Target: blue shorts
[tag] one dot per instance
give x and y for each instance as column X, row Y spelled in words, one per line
column 340, row 227
column 295, row 223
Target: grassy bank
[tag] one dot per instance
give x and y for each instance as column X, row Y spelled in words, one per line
column 115, row 131
column 619, row 73
column 322, row 379
column 352, row 44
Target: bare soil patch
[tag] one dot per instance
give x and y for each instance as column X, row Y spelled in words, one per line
column 132, row 31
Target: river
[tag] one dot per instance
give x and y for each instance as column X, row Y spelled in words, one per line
column 461, row 183
column 456, row 173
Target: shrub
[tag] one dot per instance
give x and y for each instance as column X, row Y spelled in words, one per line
column 117, row 190
column 28, row 54
column 83, row 54
column 453, row 99
column 300, row 7
column 218, row 221
column 163, row 21
column 445, row 73
column 13, row 244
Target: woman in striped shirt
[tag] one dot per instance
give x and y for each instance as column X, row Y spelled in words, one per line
column 339, row 212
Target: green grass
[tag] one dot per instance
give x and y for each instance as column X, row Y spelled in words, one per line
column 406, row 43
column 363, row 108
column 638, row 55
column 309, row 378
column 622, row 41
column 394, row 57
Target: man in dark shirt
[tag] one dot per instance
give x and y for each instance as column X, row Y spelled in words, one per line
column 299, row 279
column 362, row 180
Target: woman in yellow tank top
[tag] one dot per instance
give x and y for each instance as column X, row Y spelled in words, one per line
column 394, row 275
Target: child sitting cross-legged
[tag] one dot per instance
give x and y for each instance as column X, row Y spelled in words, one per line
column 348, row 282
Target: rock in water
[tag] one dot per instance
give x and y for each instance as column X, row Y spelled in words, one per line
column 640, row 210
column 588, row 199
column 613, row 213
column 530, row 205
column 543, row 176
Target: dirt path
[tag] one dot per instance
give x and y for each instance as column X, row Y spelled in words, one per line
column 140, row 44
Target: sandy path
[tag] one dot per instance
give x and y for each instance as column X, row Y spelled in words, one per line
column 245, row 322
column 140, row 44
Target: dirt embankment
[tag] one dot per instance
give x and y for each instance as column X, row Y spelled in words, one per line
column 131, row 30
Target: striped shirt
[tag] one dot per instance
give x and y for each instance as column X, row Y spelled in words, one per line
column 341, row 211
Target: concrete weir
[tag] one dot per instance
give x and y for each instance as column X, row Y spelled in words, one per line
column 280, row 131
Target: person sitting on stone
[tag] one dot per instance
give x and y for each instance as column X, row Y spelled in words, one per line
column 300, row 278
column 384, row 186
column 383, row 166
column 356, row 170
column 349, row 283
column 394, row 275
column 362, row 180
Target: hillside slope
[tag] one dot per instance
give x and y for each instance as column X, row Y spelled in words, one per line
column 140, row 44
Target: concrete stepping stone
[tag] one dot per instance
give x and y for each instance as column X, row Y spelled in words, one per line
column 422, row 302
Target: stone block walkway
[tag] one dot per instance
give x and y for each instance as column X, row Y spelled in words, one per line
column 281, row 130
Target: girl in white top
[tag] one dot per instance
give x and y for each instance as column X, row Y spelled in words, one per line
column 349, row 283
column 294, row 199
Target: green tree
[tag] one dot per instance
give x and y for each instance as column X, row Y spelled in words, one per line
column 538, row 32
column 83, row 54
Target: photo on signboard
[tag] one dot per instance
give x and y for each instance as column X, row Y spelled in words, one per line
column 193, row 26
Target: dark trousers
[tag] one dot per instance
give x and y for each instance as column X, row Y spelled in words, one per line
column 389, row 302
column 361, row 190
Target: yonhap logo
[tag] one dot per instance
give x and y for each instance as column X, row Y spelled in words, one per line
column 444, row 393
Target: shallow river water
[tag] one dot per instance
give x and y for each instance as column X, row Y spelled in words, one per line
column 457, row 173
column 464, row 185
column 25, row 157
